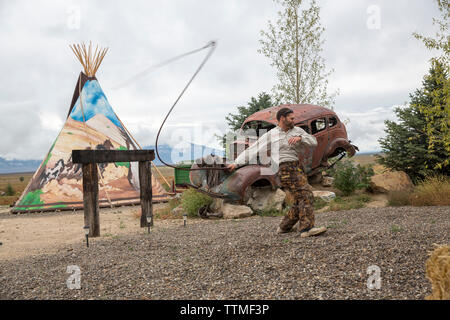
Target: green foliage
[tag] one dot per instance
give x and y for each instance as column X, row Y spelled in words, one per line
column 419, row 143
column 271, row 212
column 235, row 121
column 192, row 200
column 437, row 108
column 349, row 203
column 319, row 203
column 21, row 179
column 349, row 177
column 442, row 40
column 9, row 191
column 294, row 45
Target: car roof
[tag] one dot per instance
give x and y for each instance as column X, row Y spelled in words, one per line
column 302, row 112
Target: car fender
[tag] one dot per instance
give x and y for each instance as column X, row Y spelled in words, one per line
column 235, row 185
column 340, row 143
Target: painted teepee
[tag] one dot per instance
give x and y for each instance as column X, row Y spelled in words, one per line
column 91, row 124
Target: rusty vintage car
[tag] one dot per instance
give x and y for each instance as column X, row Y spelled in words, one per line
column 323, row 123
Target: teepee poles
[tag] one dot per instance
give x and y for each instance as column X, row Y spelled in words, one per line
column 89, row 59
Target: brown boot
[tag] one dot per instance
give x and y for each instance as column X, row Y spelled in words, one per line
column 280, row 231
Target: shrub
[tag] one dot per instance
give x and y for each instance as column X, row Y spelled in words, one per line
column 399, row 198
column 9, row 191
column 21, row 179
column 349, row 177
column 192, row 200
column 432, row 191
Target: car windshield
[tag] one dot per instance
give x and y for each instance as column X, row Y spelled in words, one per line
column 256, row 128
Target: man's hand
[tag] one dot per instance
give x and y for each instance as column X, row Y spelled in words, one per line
column 231, row 167
column 294, row 140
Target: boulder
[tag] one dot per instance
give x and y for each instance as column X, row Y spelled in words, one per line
column 390, row 181
column 232, row 211
column 216, row 206
column 327, row 181
column 324, row 195
column 267, row 199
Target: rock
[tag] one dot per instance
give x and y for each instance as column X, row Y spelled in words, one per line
column 232, row 211
column 2, row 193
column 267, row 199
column 216, row 205
column 324, row 195
column 390, row 181
column 327, row 181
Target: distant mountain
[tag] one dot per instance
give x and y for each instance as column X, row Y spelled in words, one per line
column 191, row 151
column 16, row 166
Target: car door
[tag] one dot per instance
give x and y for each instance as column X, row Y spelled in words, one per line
column 306, row 158
column 319, row 128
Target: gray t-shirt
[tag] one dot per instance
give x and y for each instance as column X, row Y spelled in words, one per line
column 277, row 140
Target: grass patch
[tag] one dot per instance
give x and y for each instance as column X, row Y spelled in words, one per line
column 395, row 228
column 399, row 198
column 319, row 203
column 432, row 191
column 349, row 203
column 271, row 212
column 166, row 212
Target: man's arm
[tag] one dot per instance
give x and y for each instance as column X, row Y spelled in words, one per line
column 250, row 154
column 306, row 138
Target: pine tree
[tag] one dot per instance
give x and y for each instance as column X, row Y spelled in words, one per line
column 407, row 144
column 437, row 113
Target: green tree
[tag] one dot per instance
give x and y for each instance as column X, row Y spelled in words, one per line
column 437, row 111
column 407, row 143
column 294, row 45
column 9, row 191
column 21, row 179
column 441, row 41
column 235, row 121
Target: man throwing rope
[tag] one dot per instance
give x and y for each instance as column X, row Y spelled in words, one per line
column 289, row 140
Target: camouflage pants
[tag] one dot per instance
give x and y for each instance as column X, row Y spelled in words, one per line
column 294, row 180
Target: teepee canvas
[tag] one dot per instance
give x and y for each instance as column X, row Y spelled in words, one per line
column 91, row 124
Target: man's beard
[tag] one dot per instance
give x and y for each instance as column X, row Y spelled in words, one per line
column 289, row 125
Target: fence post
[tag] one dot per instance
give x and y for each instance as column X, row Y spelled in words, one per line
column 90, row 199
column 145, row 181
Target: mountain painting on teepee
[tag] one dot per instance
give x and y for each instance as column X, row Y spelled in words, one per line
column 91, row 124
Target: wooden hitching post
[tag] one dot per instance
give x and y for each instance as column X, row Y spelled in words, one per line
column 145, row 181
column 90, row 199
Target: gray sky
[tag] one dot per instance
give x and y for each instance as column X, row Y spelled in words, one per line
column 376, row 65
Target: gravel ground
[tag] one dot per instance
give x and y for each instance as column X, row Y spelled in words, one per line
column 245, row 259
